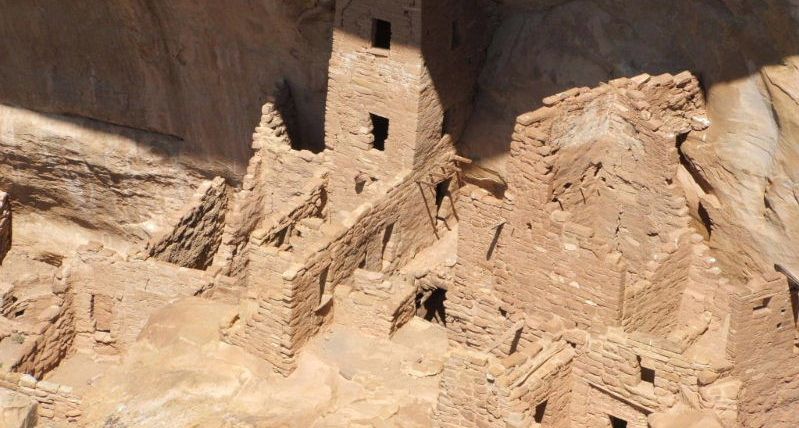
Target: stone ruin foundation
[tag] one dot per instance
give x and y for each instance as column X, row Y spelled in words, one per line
column 576, row 288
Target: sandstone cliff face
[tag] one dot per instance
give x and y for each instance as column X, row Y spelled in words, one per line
column 195, row 71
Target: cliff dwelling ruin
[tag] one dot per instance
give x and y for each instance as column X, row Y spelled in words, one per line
column 399, row 213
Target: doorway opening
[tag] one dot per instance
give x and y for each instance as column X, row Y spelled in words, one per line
column 430, row 306
column 379, row 131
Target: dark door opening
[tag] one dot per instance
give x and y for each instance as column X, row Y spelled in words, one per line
column 442, row 190
column 430, row 306
column 617, row 422
column 381, row 34
column 379, row 131
column 540, row 409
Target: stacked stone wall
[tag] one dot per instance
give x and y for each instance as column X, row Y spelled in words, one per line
column 376, row 305
column 287, row 311
column 114, row 297
column 474, row 310
column 638, row 270
column 652, row 305
column 276, row 176
column 56, row 403
column 364, row 80
column 762, row 347
column 480, row 390
column 56, row 333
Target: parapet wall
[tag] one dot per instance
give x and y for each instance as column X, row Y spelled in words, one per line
column 45, row 351
column 114, row 297
column 276, row 176
column 56, row 403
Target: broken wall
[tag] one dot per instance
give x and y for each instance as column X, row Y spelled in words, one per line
column 194, row 237
column 761, row 345
column 114, row 297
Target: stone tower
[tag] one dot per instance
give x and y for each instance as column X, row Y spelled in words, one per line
column 401, row 78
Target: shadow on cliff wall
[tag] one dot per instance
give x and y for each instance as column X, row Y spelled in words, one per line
column 195, row 71
column 201, row 73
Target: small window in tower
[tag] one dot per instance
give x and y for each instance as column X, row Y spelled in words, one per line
column 455, row 41
column 381, row 34
column 540, row 410
column 617, row 422
column 379, row 131
column 763, row 305
column 647, row 374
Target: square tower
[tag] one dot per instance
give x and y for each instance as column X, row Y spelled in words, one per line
column 401, row 79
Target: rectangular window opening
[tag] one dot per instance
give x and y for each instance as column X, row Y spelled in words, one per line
column 540, row 409
column 763, row 305
column 647, row 374
column 455, row 41
column 617, row 422
column 379, row 131
column 381, row 34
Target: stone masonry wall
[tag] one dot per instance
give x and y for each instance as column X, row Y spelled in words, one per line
column 652, row 305
column 56, row 403
column 761, row 343
column 289, row 308
column 45, row 351
column 364, row 80
column 276, row 176
column 377, row 305
column 475, row 311
column 114, row 297
column 479, row 390
column 561, row 242
column 532, row 264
